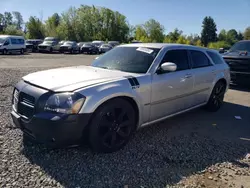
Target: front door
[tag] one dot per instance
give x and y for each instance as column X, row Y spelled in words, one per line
column 171, row 91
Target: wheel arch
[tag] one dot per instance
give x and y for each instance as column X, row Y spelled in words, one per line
column 129, row 99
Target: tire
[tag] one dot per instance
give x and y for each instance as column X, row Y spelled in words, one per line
column 50, row 50
column 112, row 126
column 21, row 51
column 216, row 98
column 5, row 51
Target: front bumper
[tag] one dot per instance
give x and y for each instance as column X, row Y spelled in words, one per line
column 47, row 49
column 53, row 130
column 62, row 50
column 240, row 77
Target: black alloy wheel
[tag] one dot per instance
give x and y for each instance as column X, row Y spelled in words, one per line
column 112, row 126
column 217, row 97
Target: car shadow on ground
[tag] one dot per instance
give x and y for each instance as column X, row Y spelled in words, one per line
column 157, row 155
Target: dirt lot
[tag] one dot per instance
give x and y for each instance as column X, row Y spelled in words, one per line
column 196, row 149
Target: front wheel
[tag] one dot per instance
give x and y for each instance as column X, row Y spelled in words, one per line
column 21, row 51
column 217, row 96
column 5, row 51
column 112, row 126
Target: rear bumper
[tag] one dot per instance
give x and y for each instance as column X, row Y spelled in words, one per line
column 53, row 130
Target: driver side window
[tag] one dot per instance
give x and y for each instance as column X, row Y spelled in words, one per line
column 179, row 57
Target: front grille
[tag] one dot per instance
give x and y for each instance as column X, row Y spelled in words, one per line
column 64, row 48
column 42, row 47
column 26, row 105
column 238, row 65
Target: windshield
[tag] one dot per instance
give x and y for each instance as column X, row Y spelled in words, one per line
column 127, row 59
column 241, row 46
column 2, row 40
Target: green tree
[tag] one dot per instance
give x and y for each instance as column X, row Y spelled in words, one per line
column 240, row 36
column 7, row 19
column 247, row 34
column 141, row 34
column 232, row 36
column 208, row 33
column 12, row 30
column 154, row 30
column 219, row 44
column 18, row 19
column 183, row 40
column 35, row 28
column 51, row 25
column 173, row 36
column 222, row 35
column 193, row 38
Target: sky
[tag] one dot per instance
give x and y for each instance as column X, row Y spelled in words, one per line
column 186, row 15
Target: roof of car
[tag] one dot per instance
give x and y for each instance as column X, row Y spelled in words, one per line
column 161, row 45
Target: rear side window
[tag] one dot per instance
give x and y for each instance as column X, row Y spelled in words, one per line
column 179, row 57
column 215, row 57
column 199, row 59
column 20, row 41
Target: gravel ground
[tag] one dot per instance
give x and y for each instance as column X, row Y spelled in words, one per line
column 196, row 149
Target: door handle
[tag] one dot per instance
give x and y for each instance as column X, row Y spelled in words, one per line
column 213, row 71
column 188, row 75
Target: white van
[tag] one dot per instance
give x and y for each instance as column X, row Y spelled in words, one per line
column 10, row 43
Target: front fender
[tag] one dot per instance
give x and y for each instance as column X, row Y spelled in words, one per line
column 98, row 95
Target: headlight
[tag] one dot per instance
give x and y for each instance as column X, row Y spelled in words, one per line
column 65, row 103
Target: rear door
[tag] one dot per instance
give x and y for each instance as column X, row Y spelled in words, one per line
column 204, row 72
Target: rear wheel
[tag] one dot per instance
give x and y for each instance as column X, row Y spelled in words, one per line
column 217, row 97
column 112, row 126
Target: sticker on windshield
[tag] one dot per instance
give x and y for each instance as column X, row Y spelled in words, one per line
column 146, row 50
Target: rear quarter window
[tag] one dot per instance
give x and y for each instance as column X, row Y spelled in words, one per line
column 215, row 57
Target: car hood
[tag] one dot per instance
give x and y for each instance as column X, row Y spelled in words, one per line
column 45, row 45
column 66, row 45
column 72, row 78
column 236, row 54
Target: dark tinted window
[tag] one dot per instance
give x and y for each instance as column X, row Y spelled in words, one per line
column 14, row 41
column 127, row 59
column 199, row 59
column 179, row 57
column 20, row 41
column 215, row 57
column 241, row 46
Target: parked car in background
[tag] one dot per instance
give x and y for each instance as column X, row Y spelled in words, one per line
column 61, row 42
column 32, row 44
column 98, row 43
column 113, row 43
column 238, row 59
column 11, row 43
column 89, row 48
column 50, row 44
column 125, row 89
column 69, row 46
column 104, row 48
column 80, row 44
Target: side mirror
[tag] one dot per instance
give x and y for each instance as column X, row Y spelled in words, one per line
column 167, row 67
column 97, row 57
